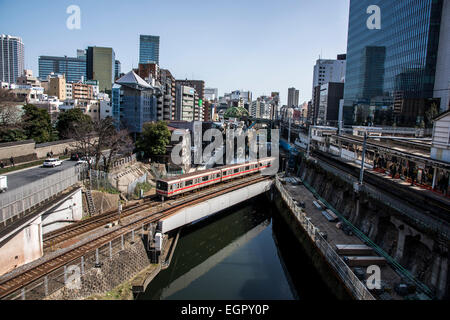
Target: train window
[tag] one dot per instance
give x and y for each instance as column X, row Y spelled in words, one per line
column 161, row 185
column 205, row 178
column 247, row 168
column 188, row 183
column 236, row 170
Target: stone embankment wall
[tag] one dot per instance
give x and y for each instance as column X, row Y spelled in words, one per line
column 122, row 267
column 422, row 252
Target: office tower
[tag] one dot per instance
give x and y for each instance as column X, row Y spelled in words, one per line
column 149, row 72
column 74, row 69
column 149, row 49
column 390, row 76
column 100, row 66
column 330, row 95
column 325, row 71
column 293, row 97
column 12, row 57
column 133, row 102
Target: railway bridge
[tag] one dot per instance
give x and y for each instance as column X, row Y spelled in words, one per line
column 89, row 243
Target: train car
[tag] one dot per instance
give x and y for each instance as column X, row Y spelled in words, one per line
column 175, row 186
column 265, row 163
column 234, row 171
column 171, row 187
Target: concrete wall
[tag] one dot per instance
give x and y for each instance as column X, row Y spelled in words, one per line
column 22, row 248
column 8, row 150
column 57, row 148
column 211, row 206
column 64, row 213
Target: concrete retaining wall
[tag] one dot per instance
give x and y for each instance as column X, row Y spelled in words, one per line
column 211, row 206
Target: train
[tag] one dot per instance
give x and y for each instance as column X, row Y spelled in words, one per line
column 175, row 186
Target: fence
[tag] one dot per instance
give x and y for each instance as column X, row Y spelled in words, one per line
column 100, row 179
column 350, row 280
column 18, row 202
column 132, row 186
column 73, row 273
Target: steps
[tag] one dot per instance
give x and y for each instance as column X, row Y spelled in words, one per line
column 90, row 202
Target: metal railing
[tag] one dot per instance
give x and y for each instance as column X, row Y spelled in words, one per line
column 18, row 202
column 350, row 280
column 72, row 275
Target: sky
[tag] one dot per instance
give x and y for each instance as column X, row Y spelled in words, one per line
column 256, row 45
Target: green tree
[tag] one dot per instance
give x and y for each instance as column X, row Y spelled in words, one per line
column 67, row 119
column 154, row 139
column 37, row 124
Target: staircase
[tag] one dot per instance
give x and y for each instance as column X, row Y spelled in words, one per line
column 90, row 202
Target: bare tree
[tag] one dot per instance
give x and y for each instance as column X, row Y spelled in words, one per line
column 100, row 140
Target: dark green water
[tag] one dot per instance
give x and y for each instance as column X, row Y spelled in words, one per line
column 244, row 253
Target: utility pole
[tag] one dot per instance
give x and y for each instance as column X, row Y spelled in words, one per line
column 119, row 210
column 361, row 173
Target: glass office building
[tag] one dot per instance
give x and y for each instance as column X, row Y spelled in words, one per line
column 391, row 70
column 149, row 49
column 73, row 68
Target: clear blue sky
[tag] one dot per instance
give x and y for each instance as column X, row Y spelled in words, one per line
column 257, row 45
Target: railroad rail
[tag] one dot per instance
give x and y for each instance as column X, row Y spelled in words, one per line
column 52, row 239
column 10, row 285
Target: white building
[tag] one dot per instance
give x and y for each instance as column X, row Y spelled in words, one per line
column 69, row 92
column 440, row 147
column 211, row 94
column 328, row 70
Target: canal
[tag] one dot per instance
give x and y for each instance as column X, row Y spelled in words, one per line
column 244, row 253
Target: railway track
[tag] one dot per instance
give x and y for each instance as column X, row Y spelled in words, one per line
column 18, row 281
column 52, row 239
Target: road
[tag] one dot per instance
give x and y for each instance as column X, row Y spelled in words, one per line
column 24, row 177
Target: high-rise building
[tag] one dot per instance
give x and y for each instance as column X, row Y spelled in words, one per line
column 133, row 102
column 150, row 72
column 168, row 85
column 391, row 68
column 330, row 95
column 188, row 107
column 325, row 71
column 100, row 66
column 12, row 58
column 199, row 86
column 149, row 49
column 74, row 69
column 117, row 69
column 293, row 97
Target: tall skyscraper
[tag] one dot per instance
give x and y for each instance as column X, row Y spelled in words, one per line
column 100, row 66
column 117, row 69
column 390, row 76
column 149, row 49
column 12, row 57
column 73, row 68
column 293, row 97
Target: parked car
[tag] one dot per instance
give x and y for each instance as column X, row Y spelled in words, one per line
column 76, row 156
column 85, row 160
column 3, row 184
column 52, row 162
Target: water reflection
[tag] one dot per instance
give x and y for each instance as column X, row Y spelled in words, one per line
column 232, row 256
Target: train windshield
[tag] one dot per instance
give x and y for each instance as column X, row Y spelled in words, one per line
column 161, row 185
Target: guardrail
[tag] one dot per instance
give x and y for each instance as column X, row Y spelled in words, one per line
column 19, row 202
column 350, row 280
